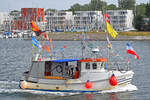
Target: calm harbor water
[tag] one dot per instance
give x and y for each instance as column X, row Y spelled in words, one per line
column 15, row 58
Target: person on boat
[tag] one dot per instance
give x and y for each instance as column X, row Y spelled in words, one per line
column 76, row 73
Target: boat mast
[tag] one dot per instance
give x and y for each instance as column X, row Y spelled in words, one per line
column 127, row 65
column 103, row 12
column 83, row 45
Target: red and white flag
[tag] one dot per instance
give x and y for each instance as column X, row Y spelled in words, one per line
column 130, row 50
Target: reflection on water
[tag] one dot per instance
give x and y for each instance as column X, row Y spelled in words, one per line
column 98, row 96
column 111, row 96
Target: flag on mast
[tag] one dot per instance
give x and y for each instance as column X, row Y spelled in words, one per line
column 35, row 43
column 36, row 29
column 130, row 50
column 42, row 45
column 47, row 48
column 50, row 40
column 109, row 28
column 45, row 36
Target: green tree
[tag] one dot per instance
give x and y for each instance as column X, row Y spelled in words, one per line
column 97, row 5
column 126, row 4
column 147, row 25
column 49, row 9
column 14, row 12
column 139, row 22
column 111, row 7
column 141, row 9
column 76, row 7
column 147, row 13
column 85, row 7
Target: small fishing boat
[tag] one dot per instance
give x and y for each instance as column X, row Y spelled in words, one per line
column 92, row 74
column 88, row 75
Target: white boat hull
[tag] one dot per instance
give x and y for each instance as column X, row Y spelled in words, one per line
column 76, row 85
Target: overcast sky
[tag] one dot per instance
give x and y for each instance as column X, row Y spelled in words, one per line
column 8, row 5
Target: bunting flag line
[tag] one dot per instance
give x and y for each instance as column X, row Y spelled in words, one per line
column 109, row 28
column 51, row 43
column 35, row 43
column 42, row 45
column 61, row 49
column 130, row 50
column 109, row 45
column 50, row 40
column 64, row 46
column 47, row 48
column 45, row 36
column 35, row 47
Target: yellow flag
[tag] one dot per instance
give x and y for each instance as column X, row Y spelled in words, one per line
column 111, row 31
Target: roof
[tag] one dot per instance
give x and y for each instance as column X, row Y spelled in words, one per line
column 64, row 60
column 7, row 33
column 93, row 60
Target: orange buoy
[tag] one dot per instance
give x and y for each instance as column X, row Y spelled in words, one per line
column 88, row 84
column 113, row 80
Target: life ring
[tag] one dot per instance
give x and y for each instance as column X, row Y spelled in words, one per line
column 59, row 68
column 70, row 72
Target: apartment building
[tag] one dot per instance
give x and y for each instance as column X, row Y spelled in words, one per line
column 121, row 20
column 16, row 23
column 4, row 17
column 32, row 14
column 58, row 20
column 88, row 20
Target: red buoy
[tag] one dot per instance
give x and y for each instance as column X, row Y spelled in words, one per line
column 88, row 84
column 113, row 80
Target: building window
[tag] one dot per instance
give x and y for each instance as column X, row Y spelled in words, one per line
column 87, row 66
column 94, row 65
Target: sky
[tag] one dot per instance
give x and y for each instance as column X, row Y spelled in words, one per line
column 9, row 5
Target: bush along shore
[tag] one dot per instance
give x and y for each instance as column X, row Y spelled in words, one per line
column 100, row 36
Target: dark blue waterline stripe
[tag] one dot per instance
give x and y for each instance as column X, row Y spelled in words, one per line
column 82, row 91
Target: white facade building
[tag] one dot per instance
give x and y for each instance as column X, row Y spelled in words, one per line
column 121, row 20
column 88, row 20
column 3, row 17
column 58, row 20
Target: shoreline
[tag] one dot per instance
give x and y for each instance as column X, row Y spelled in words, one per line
column 125, row 36
column 94, row 36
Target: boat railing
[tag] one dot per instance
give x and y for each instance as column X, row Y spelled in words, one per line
column 118, row 65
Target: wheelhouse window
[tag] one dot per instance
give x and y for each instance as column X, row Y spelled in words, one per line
column 94, row 65
column 87, row 66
